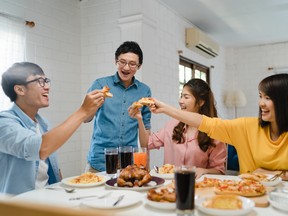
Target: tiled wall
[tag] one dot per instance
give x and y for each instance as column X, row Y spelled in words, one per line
column 75, row 42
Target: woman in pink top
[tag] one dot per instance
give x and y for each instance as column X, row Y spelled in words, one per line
column 183, row 144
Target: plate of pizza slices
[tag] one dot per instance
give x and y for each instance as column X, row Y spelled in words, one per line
column 261, row 177
column 246, row 188
column 162, row 197
column 166, row 171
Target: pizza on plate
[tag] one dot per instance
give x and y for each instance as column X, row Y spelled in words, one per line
column 207, row 182
column 166, row 169
column 254, row 176
column 246, row 188
column 106, row 92
column 162, row 194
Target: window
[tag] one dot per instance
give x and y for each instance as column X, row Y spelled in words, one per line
column 12, row 43
column 189, row 69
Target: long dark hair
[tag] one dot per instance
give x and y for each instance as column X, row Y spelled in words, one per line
column 276, row 87
column 202, row 92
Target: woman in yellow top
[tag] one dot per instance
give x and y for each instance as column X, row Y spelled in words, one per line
column 260, row 142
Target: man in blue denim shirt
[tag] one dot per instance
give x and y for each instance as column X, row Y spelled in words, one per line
column 27, row 147
column 113, row 126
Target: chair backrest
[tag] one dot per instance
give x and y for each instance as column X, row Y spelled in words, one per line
column 232, row 158
column 21, row 208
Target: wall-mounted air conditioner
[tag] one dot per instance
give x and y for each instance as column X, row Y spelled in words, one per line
column 199, row 42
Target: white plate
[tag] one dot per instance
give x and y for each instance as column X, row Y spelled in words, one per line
column 279, row 200
column 271, row 183
column 130, row 198
column 248, row 205
column 160, row 205
column 66, row 181
column 155, row 182
column 164, row 176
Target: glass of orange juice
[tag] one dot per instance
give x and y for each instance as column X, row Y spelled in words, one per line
column 140, row 156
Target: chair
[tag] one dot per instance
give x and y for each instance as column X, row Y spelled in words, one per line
column 232, row 159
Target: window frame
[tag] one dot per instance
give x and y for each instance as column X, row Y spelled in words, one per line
column 193, row 66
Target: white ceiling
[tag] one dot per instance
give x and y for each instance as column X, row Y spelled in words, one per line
column 234, row 23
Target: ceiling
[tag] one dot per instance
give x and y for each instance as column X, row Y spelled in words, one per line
column 236, row 23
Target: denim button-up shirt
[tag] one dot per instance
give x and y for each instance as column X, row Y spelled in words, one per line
column 113, row 126
column 19, row 152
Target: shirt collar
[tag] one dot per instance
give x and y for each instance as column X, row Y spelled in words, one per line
column 117, row 80
column 26, row 119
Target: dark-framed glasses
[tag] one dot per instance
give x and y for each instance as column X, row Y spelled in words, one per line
column 42, row 81
column 123, row 63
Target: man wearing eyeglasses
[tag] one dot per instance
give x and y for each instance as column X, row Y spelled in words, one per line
column 113, row 127
column 27, row 147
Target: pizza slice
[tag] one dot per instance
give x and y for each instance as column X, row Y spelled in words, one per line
column 207, row 182
column 106, row 92
column 254, row 176
column 146, row 101
column 136, row 105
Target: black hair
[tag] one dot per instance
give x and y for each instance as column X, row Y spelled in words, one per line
column 202, row 92
column 129, row 46
column 276, row 87
column 17, row 74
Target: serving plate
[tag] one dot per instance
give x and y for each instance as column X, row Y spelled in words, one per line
column 279, row 200
column 248, row 206
column 155, row 182
column 160, row 205
column 130, row 198
column 66, row 181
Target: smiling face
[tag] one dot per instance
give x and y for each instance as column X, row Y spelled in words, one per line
column 32, row 96
column 266, row 106
column 125, row 72
column 188, row 102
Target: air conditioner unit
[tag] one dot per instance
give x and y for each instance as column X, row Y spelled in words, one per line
column 199, row 42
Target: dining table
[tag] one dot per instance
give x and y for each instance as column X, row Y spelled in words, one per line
column 134, row 201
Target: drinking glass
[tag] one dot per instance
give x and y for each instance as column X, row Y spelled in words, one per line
column 111, row 160
column 185, row 189
column 126, row 157
column 140, row 156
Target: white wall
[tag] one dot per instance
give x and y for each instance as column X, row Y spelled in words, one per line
column 75, row 42
column 54, row 44
column 247, row 66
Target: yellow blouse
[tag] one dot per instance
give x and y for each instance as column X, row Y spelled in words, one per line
column 254, row 146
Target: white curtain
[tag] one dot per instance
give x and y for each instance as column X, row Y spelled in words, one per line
column 12, row 49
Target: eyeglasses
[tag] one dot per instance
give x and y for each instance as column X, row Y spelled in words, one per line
column 123, row 63
column 42, row 81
